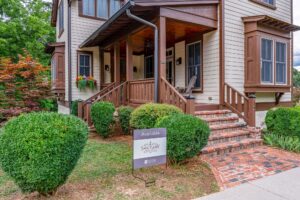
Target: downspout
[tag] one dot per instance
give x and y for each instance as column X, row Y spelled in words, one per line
column 130, row 15
column 69, row 56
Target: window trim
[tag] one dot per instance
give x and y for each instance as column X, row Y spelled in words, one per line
column 200, row 89
column 92, row 61
column 80, row 11
column 61, row 29
column 286, row 63
column 261, row 61
column 260, row 2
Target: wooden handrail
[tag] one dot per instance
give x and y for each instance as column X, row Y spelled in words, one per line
column 169, row 95
column 100, row 94
column 141, row 91
column 240, row 104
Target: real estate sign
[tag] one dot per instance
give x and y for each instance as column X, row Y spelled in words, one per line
column 149, row 147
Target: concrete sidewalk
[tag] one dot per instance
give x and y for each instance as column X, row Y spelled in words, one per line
column 283, row 186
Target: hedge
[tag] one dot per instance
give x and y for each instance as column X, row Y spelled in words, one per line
column 186, row 136
column 284, row 121
column 147, row 115
column 102, row 114
column 40, row 150
column 124, row 116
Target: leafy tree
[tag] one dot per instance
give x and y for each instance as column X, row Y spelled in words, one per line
column 296, row 78
column 25, row 24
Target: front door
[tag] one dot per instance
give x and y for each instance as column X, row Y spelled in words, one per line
column 170, row 66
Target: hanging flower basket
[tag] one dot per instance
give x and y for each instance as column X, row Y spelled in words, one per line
column 83, row 82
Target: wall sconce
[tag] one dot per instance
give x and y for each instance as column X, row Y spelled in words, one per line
column 179, row 61
column 135, row 69
column 106, row 67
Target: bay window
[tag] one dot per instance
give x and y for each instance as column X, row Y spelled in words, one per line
column 98, row 9
column 268, row 68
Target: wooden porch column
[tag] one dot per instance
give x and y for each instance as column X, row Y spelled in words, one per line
column 117, row 62
column 252, row 110
column 162, row 47
column 129, row 62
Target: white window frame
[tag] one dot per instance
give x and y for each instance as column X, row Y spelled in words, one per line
column 286, row 62
column 267, row 2
column 261, row 61
column 201, row 64
column 91, row 64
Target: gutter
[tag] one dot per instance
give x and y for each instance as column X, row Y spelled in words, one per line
column 69, row 56
column 130, row 15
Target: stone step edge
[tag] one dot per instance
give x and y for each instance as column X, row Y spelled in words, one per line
column 221, row 119
column 232, row 134
column 230, row 145
column 227, row 126
column 212, row 112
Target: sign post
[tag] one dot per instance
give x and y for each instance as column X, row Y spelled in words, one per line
column 149, row 149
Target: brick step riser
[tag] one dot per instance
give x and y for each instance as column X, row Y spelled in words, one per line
column 228, row 130
column 221, row 122
column 228, row 139
column 214, row 115
column 232, row 149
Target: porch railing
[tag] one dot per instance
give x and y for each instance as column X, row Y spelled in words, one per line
column 141, row 91
column 169, row 95
column 240, row 104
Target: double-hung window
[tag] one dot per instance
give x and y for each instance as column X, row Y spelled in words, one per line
column 281, row 63
column 194, row 63
column 61, row 17
column 85, row 64
column 101, row 9
column 266, row 61
column 271, row 2
column 273, row 62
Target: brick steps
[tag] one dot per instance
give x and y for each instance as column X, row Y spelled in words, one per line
column 228, row 133
column 217, row 138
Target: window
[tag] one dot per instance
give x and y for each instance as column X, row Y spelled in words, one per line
column 85, row 64
column 53, row 68
column 194, row 63
column 61, row 18
column 149, row 67
column 266, row 3
column 266, row 61
column 281, row 63
column 101, row 9
column 271, row 2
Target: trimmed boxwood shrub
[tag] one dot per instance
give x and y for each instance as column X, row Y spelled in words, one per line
column 102, row 114
column 124, row 116
column 284, row 121
column 40, row 150
column 186, row 136
column 147, row 115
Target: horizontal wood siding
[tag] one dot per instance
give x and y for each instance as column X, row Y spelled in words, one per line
column 234, row 39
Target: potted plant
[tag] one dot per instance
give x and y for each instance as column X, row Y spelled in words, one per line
column 82, row 82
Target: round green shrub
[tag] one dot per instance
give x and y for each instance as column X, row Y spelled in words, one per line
column 186, row 136
column 102, row 114
column 124, row 116
column 147, row 115
column 40, row 150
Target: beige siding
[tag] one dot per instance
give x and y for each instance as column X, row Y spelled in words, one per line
column 82, row 28
column 180, row 69
column 234, row 39
column 138, row 62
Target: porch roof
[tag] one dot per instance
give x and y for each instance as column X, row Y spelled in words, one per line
column 120, row 24
column 272, row 22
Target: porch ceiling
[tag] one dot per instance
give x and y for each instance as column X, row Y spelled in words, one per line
column 120, row 25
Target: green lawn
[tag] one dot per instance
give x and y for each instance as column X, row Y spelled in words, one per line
column 104, row 172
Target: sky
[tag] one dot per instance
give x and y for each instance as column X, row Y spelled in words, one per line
column 297, row 34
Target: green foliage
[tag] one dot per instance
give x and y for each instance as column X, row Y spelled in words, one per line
column 40, row 150
column 49, row 105
column 186, row 136
column 103, row 117
column 296, row 78
column 74, row 107
column 25, row 25
column 147, row 115
column 124, row 115
column 289, row 143
column 284, row 121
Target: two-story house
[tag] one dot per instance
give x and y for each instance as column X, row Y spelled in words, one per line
column 238, row 51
